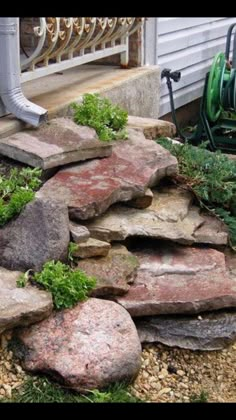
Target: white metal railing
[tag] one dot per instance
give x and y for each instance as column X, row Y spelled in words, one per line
column 61, row 43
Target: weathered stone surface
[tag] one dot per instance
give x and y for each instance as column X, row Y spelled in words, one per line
column 90, row 188
column 177, row 280
column 168, row 217
column 208, row 332
column 171, row 204
column 79, row 233
column 114, row 273
column 152, row 128
column 56, row 143
column 92, row 248
column 230, row 259
column 40, row 233
column 21, row 306
column 90, row 346
column 213, row 231
column 141, row 202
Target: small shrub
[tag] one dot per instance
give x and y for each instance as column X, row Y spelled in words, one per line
column 211, row 177
column 107, row 119
column 67, row 286
column 16, row 190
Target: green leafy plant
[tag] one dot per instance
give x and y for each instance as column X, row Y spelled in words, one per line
column 72, row 248
column 22, row 280
column 201, row 398
column 67, row 286
column 16, row 190
column 211, row 177
column 42, row 390
column 107, row 119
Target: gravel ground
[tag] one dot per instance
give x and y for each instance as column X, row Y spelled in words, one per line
column 11, row 373
column 167, row 374
column 177, row 375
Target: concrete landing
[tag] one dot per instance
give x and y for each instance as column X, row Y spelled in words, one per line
column 137, row 90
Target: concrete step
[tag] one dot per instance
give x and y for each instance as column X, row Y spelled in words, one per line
column 135, row 89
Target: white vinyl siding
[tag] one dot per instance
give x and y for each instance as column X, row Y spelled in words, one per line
column 187, row 45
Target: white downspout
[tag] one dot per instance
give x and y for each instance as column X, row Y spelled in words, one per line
column 10, row 84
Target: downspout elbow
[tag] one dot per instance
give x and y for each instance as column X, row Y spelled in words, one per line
column 10, row 84
column 16, row 103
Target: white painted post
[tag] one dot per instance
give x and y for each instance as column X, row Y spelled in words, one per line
column 151, row 42
column 124, row 56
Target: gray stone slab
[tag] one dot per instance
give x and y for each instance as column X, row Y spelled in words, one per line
column 56, row 143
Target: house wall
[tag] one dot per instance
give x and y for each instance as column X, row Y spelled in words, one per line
column 185, row 44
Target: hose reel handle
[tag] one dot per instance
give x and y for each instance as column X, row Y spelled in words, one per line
column 228, row 42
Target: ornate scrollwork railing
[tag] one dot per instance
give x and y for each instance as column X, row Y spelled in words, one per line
column 60, row 43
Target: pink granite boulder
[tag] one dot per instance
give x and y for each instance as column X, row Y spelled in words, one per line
column 90, row 346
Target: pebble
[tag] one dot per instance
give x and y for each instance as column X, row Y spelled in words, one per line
column 164, row 391
column 180, row 372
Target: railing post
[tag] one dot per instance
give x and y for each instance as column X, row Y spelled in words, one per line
column 124, row 56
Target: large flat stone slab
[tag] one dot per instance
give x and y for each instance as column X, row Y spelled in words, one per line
column 39, row 234
column 91, row 187
column 152, row 128
column 170, row 216
column 180, row 280
column 87, row 347
column 113, row 273
column 21, row 306
column 207, row 332
column 56, row 143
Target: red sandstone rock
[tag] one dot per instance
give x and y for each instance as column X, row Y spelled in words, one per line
column 180, row 280
column 91, row 187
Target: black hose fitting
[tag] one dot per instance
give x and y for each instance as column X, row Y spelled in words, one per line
column 174, row 75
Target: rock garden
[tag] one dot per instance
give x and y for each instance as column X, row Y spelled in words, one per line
column 117, row 263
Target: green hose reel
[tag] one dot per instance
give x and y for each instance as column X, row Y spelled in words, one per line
column 220, row 95
column 217, row 122
column 217, row 119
